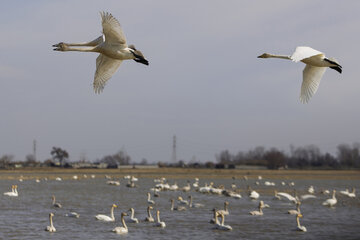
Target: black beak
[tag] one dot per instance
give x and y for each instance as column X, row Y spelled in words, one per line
column 142, row 60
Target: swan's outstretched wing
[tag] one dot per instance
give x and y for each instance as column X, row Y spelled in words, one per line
column 111, row 29
column 105, row 68
column 311, row 81
column 304, row 52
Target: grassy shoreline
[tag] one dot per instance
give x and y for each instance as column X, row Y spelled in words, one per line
column 181, row 173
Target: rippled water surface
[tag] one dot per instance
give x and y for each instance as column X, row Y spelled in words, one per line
column 26, row 216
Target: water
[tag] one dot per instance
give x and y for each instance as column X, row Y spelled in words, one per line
column 26, row 216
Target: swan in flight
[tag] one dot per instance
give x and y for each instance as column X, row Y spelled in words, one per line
column 225, row 211
column 299, row 227
column 288, row 196
column 50, row 228
column 124, row 228
column 158, row 222
column 259, row 212
column 54, row 203
column 331, row 201
column 307, row 196
column 149, row 200
column 13, row 193
column 149, row 217
column 132, row 218
column 112, row 47
column 104, row 218
column 316, row 64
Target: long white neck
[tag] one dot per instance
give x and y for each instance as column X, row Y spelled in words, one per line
column 190, row 203
column 158, row 216
column 51, row 221
column 149, row 197
column 123, row 222
column 216, row 218
column 222, row 219
column 82, row 49
column 112, row 213
column 149, row 213
column 278, row 56
column 333, row 195
column 298, row 208
column 260, row 209
column 15, row 190
column 132, row 213
column 298, row 221
column 172, row 205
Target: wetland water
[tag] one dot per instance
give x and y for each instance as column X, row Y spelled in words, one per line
column 26, row 216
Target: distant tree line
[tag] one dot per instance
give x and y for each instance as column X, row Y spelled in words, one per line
column 347, row 156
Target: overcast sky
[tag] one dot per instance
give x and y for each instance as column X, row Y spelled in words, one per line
column 204, row 82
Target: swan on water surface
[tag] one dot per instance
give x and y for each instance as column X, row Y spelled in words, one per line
column 149, row 217
column 54, row 203
column 331, row 201
column 221, row 225
column 112, row 47
column 132, row 217
column 13, row 193
column 258, row 212
column 105, row 218
column 295, row 211
column 194, row 205
column 178, row 208
column 299, row 227
column 316, row 64
column 123, row 229
column 158, row 222
column 149, row 200
column 50, row 228
column 72, row 214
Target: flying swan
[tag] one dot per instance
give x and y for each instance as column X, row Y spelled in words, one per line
column 316, row 64
column 112, row 47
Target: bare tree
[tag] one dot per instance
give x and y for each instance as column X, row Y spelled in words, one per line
column 59, row 154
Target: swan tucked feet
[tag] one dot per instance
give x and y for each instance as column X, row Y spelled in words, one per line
column 60, row 47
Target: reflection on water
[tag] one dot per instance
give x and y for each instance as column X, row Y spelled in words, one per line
column 26, row 216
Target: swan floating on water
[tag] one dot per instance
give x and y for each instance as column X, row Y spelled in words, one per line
column 13, row 193
column 297, row 211
column 316, row 64
column 105, row 218
column 352, row 194
column 54, row 203
column 124, row 228
column 178, row 208
column 299, row 227
column 132, row 218
column 221, row 225
column 158, row 222
column 194, row 205
column 259, row 212
column 311, row 190
column 149, row 200
column 72, row 214
column 331, row 201
column 50, row 228
column 149, row 217
column 112, row 47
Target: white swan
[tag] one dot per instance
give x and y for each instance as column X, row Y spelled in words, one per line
column 178, row 208
column 352, row 194
column 221, row 225
column 112, row 47
column 158, row 222
column 346, row 192
column 331, row 201
column 105, row 218
column 132, row 218
column 186, row 188
column 254, row 195
column 50, row 228
column 13, row 193
column 307, row 196
column 276, row 196
column 297, row 211
column 311, row 190
column 259, row 212
column 149, row 200
column 287, row 196
column 182, row 201
column 194, row 205
column 72, row 214
column 124, row 228
column 54, row 203
column 299, row 227
column 225, row 211
column 316, row 64
column 149, row 217
column 114, row 183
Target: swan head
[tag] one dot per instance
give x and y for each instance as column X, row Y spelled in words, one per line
column 139, row 57
column 123, row 214
column 51, row 215
column 150, row 207
column 299, row 215
column 114, row 206
column 264, row 55
column 180, row 198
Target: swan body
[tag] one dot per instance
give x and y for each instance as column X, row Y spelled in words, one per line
column 254, row 195
column 149, row 200
column 124, row 228
column 311, row 190
column 259, row 212
column 132, row 217
column 13, row 193
column 149, row 218
column 105, row 218
column 178, row 208
column 72, row 214
column 186, row 188
column 316, row 64
column 221, row 225
column 114, row 183
column 287, row 196
column 331, row 201
column 54, row 203
column 352, row 194
column 297, row 211
column 307, row 196
column 299, row 227
column 158, row 222
column 112, row 47
column 194, row 205
column 50, row 228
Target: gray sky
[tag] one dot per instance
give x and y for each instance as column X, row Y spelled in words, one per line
column 204, row 82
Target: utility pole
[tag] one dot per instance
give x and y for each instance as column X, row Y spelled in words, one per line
column 173, row 160
column 34, row 149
